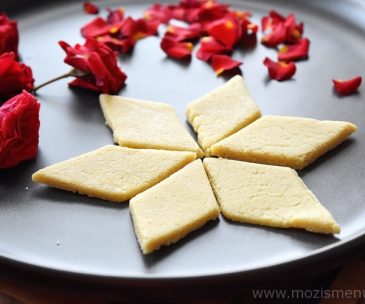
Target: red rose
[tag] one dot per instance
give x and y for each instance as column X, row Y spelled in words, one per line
column 19, row 126
column 98, row 64
column 14, row 76
column 8, row 35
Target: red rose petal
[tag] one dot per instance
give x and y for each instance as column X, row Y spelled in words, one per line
column 294, row 31
column 276, row 37
column 222, row 63
column 294, row 52
column 176, row 49
column 179, row 33
column 278, row 29
column 122, row 45
column 209, row 46
column 226, row 30
column 347, row 87
column 90, row 8
column 280, row 70
column 115, row 16
column 139, row 28
column 158, row 12
column 98, row 27
column 211, row 10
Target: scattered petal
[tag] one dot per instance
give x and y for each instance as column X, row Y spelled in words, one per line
column 98, row 27
column 347, row 87
column 278, row 29
column 280, row 70
column 179, row 33
column 122, row 45
column 158, row 12
column 209, row 46
column 226, row 30
column 90, row 8
column 294, row 31
column 139, row 28
column 222, row 63
column 176, row 49
column 271, row 21
column 275, row 37
column 294, row 52
column 115, row 16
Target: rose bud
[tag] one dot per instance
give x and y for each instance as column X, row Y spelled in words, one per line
column 8, row 35
column 96, row 67
column 19, row 127
column 14, row 76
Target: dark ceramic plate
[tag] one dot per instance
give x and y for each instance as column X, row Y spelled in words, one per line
column 51, row 229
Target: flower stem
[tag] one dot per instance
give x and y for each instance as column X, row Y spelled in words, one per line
column 73, row 72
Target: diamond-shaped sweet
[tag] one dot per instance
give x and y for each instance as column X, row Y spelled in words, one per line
column 173, row 208
column 266, row 195
column 146, row 125
column 282, row 140
column 113, row 173
column 222, row 112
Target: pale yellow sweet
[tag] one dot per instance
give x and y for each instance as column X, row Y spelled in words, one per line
column 267, row 195
column 173, row 208
column 113, row 173
column 282, row 140
column 222, row 112
column 146, row 125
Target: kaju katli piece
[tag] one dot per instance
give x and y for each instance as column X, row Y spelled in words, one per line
column 267, row 195
column 167, row 212
column 294, row 142
column 146, row 125
column 113, row 173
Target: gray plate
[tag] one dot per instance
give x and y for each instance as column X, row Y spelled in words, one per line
column 53, row 229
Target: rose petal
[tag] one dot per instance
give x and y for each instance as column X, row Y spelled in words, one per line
column 122, row 45
column 222, row 63
column 99, row 27
column 179, row 33
column 294, row 52
column 115, row 16
column 280, row 70
column 226, row 30
column 347, row 87
column 176, row 49
column 294, row 31
column 90, row 8
column 139, row 28
column 275, row 37
column 278, row 29
column 271, row 21
column 159, row 12
column 209, row 46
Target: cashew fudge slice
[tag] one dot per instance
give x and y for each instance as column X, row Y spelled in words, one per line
column 167, row 212
column 222, row 112
column 295, row 142
column 266, row 195
column 146, row 125
column 113, row 173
